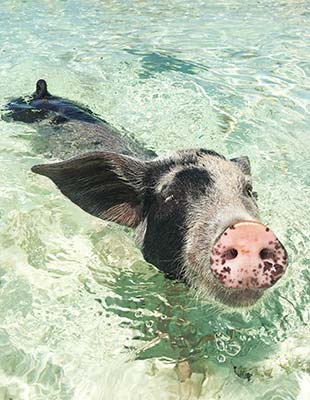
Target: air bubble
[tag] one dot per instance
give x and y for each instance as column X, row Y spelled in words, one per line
column 149, row 324
column 221, row 358
column 220, row 345
column 138, row 314
column 233, row 348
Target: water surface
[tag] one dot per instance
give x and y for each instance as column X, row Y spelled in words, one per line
column 82, row 315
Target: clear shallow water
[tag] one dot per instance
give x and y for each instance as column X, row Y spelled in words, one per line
column 82, row 316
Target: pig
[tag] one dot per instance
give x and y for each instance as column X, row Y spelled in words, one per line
column 194, row 211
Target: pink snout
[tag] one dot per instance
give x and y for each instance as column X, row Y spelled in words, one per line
column 248, row 255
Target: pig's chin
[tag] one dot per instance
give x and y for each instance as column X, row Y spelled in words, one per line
column 240, row 297
column 233, row 298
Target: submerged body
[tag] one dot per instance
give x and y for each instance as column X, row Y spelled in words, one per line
column 67, row 128
column 195, row 211
column 41, row 104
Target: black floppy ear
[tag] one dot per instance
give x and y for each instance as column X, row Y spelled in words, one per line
column 243, row 163
column 106, row 185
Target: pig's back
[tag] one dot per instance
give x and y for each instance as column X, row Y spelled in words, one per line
column 68, row 139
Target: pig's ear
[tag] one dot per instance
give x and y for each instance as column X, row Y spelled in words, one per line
column 103, row 184
column 243, row 163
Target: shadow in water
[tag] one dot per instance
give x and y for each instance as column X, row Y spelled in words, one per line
column 156, row 62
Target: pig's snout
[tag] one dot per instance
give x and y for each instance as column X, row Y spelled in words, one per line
column 248, row 255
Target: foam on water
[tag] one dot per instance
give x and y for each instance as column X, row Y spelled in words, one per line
column 82, row 315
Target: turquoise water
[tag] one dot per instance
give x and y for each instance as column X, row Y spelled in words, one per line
column 82, row 316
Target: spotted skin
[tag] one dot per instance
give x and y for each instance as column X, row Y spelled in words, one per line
column 238, row 263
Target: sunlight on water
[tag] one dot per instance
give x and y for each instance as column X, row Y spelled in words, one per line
column 83, row 316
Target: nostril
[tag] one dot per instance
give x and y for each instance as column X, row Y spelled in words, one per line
column 230, row 254
column 266, row 253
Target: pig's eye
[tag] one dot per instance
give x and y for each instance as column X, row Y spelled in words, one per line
column 168, row 198
column 249, row 191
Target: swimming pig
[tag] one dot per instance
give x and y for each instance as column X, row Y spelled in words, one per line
column 195, row 214
column 194, row 211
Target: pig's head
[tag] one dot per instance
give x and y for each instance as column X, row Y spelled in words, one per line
column 195, row 213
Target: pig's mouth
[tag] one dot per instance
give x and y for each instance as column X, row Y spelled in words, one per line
column 246, row 259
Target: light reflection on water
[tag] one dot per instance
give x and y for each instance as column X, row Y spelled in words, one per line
column 82, row 315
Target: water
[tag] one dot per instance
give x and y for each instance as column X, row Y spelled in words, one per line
column 82, row 315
